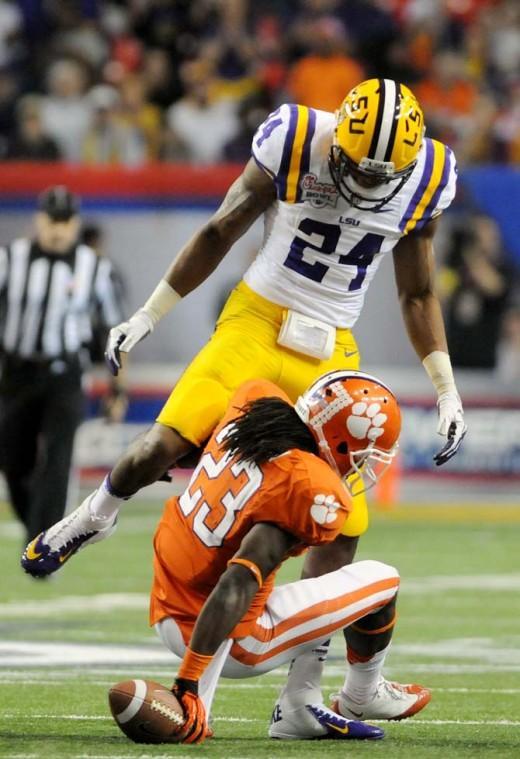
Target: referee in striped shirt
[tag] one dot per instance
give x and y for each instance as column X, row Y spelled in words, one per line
column 49, row 286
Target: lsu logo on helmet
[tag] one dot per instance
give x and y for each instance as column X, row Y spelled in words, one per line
column 379, row 132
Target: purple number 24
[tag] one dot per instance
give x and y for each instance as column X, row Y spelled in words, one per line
column 361, row 255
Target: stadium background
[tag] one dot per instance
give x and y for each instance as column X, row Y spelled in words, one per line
column 147, row 110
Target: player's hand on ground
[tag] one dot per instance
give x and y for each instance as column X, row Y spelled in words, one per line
column 125, row 336
column 195, row 728
column 451, row 425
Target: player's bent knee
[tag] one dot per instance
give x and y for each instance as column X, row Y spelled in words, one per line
column 171, row 636
column 377, row 571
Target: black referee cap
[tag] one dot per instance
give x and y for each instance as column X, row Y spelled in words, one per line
column 59, row 203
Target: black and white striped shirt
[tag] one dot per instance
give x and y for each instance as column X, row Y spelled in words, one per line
column 46, row 299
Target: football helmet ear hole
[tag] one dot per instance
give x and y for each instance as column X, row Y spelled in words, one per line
column 342, row 447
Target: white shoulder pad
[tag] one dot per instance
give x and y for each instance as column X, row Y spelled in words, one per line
column 268, row 143
column 448, row 192
column 282, row 148
column 434, row 189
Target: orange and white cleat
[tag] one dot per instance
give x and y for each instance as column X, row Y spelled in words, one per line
column 391, row 701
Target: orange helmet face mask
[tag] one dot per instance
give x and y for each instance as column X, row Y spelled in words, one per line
column 356, row 422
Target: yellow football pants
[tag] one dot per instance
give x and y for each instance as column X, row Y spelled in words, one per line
column 244, row 347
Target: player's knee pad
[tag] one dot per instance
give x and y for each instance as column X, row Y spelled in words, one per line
column 378, row 570
column 357, row 521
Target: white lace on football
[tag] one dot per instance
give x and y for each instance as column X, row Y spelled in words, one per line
column 167, row 711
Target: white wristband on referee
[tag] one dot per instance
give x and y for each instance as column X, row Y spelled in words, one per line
column 438, row 368
column 161, row 301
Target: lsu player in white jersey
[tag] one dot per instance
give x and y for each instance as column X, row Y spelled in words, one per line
column 338, row 192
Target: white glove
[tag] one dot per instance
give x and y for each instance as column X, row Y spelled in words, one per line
column 125, row 336
column 451, row 425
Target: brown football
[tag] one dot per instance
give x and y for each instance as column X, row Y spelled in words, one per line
column 146, row 712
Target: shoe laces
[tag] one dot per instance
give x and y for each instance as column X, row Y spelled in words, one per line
column 321, row 711
column 69, row 529
column 326, row 713
column 394, row 690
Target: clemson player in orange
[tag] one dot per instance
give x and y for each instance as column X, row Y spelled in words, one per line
column 270, row 483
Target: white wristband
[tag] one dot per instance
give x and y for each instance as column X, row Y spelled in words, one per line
column 438, row 368
column 161, row 301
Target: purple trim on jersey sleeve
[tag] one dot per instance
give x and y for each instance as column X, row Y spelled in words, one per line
column 432, row 205
column 421, row 187
column 283, row 171
column 261, row 166
column 306, row 151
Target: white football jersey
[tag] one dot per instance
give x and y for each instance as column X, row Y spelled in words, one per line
column 319, row 253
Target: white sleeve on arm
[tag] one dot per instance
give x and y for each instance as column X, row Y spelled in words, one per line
column 448, row 189
column 272, row 139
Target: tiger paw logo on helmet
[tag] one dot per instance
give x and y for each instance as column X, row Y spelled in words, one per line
column 324, row 509
column 366, row 421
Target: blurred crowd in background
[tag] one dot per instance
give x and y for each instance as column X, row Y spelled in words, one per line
column 125, row 82
column 107, row 82
column 479, row 287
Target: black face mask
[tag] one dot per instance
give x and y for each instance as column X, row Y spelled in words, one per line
column 341, row 167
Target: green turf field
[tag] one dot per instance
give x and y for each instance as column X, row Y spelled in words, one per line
column 458, row 632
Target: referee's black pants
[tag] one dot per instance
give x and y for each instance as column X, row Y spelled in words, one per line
column 41, row 407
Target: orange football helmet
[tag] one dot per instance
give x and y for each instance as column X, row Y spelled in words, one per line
column 356, row 422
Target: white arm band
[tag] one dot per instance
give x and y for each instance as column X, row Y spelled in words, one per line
column 438, row 368
column 161, row 301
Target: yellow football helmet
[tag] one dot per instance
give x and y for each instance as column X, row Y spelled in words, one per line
column 378, row 135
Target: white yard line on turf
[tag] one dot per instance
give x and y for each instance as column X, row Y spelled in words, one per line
column 138, row 667
column 107, row 602
column 436, row 583
column 415, row 721
column 475, row 722
column 241, row 686
column 478, row 649
column 31, row 654
column 102, row 602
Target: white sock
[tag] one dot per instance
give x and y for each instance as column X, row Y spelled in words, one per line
column 362, row 677
column 103, row 504
column 304, row 680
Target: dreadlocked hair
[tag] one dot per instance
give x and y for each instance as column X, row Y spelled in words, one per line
column 267, row 427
